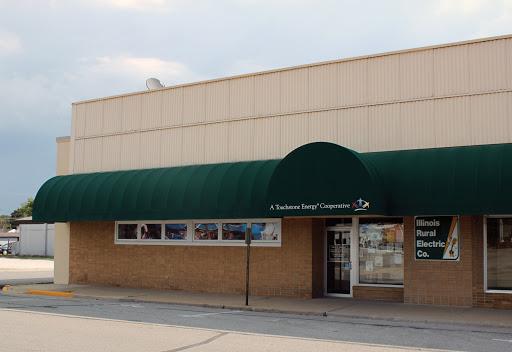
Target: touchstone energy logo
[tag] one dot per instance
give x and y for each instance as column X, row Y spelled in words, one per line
column 361, row 204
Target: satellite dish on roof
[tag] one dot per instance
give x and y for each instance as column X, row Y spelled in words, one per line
column 153, row 83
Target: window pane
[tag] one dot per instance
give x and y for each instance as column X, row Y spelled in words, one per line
column 175, row 231
column 206, row 231
column 233, row 231
column 499, row 254
column 381, row 244
column 264, row 231
column 151, row 231
column 127, row 231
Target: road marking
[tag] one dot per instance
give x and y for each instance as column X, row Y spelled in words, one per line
column 502, row 340
column 132, row 305
column 199, row 343
column 205, row 314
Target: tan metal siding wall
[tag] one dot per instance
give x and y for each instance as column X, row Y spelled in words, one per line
column 217, row 101
column 267, row 94
column 151, row 116
column 171, row 148
column 267, row 143
column 294, row 89
column 384, row 78
column 349, row 121
column 451, row 66
column 490, row 119
column 384, row 126
column 241, row 98
column 507, row 54
column 92, row 158
column 194, row 141
column 130, row 151
column 294, row 132
column 217, row 143
column 323, row 126
column 487, row 67
column 323, row 86
column 132, row 109
column 111, row 153
column 172, row 107
column 112, row 115
column 94, row 119
column 353, row 82
column 150, row 149
column 78, row 156
column 417, row 74
column 451, row 122
column 194, row 104
column 242, row 141
column 435, row 97
column 79, row 121
column 418, row 124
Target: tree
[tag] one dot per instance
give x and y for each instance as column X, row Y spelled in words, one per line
column 5, row 222
column 24, row 210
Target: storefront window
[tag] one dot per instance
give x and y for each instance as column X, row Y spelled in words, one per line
column 175, row 231
column 381, row 243
column 499, row 253
column 206, row 231
column 151, row 231
column 233, row 231
column 211, row 232
column 264, row 231
column 127, row 231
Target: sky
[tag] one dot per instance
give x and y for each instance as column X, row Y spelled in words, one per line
column 57, row 52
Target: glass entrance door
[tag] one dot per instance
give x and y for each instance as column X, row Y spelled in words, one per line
column 338, row 261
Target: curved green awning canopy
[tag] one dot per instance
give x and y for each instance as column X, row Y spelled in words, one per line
column 321, row 179
column 229, row 190
column 317, row 179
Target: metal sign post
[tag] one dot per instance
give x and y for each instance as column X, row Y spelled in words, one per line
column 248, row 236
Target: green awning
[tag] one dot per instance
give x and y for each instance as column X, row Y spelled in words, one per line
column 471, row 180
column 321, row 179
column 317, row 179
column 229, row 190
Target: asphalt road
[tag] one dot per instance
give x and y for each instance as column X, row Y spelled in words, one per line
column 53, row 323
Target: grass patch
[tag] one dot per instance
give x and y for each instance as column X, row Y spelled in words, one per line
column 27, row 257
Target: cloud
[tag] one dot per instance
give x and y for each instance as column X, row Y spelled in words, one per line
column 448, row 7
column 137, row 68
column 245, row 66
column 9, row 43
column 139, row 5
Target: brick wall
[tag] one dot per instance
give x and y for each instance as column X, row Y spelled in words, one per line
column 292, row 270
column 439, row 282
column 375, row 292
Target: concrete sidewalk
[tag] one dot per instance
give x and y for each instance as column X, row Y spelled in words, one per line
column 328, row 306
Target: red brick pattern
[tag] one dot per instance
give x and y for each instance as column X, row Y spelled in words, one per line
column 296, row 269
column 275, row 271
column 375, row 292
column 439, row 282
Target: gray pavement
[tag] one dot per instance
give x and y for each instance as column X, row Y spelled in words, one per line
column 328, row 306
